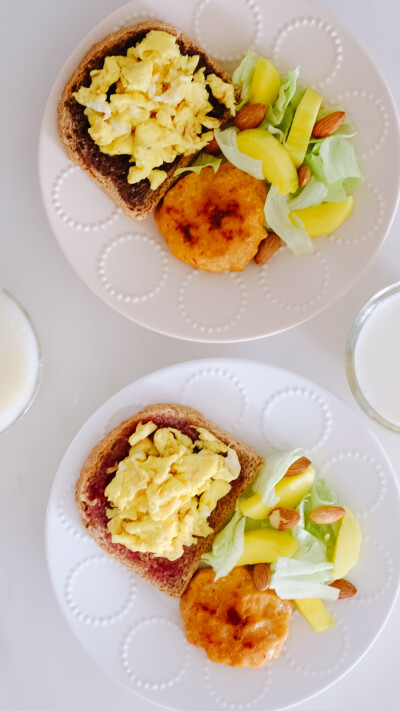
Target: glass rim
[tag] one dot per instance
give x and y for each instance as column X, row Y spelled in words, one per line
column 355, row 330
column 27, row 404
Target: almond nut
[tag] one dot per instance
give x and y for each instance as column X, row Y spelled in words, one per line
column 327, row 514
column 267, row 248
column 250, row 116
column 304, row 174
column 299, row 466
column 262, row 576
column 212, row 147
column 329, row 124
column 346, row 589
column 282, row 518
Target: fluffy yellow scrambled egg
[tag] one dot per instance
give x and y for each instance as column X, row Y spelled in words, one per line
column 159, row 106
column 165, row 489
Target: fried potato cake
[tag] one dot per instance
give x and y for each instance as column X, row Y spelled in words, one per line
column 235, row 623
column 214, row 221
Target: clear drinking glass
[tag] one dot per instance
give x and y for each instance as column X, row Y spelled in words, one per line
column 373, row 358
column 20, row 360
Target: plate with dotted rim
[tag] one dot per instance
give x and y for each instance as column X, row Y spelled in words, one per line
column 125, row 624
column 128, row 264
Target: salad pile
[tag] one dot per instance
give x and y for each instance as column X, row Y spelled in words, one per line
column 301, row 149
column 292, row 520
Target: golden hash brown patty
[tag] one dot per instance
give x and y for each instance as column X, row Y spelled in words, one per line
column 214, row 221
column 235, row 623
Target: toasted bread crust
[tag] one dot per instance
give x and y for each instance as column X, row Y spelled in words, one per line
column 171, row 577
column 110, row 172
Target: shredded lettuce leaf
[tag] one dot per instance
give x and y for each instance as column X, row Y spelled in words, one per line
column 227, row 547
column 228, row 144
column 338, row 159
column 313, row 193
column 333, row 162
column 294, row 579
column 273, row 470
column 276, row 210
column 203, row 160
column 276, row 112
column 243, row 75
column 311, row 548
column 288, row 115
column 321, row 494
column 337, row 191
column 277, row 132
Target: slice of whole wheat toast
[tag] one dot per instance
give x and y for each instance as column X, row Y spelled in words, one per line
column 171, row 577
column 110, row 172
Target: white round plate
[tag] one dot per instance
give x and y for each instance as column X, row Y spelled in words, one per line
column 135, row 633
column 128, row 264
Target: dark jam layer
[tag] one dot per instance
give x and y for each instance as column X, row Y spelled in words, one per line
column 160, row 569
column 117, row 168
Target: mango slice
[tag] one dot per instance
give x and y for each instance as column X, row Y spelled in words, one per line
column 253, row 507
column 265, row 84
column 315, row 612
column 348, row 543
column 265, row 545
column 302, row 126
column 290, row 490
column 324, row 219
column 278, row 167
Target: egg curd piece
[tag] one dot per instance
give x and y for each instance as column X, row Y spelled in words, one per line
column 152, row 105
column 163, row 492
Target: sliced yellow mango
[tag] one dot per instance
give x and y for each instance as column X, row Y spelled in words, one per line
column 265, row 545
column 265, row 84
column 302, row 126
column 278, row 167
column 315, row 612
column 348, row 543
column 324, row 219
column 290, row 490
column 253, row 507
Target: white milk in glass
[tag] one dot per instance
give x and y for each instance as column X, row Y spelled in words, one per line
column 377, row 359
column 19, row 361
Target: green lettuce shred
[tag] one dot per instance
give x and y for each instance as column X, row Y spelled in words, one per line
column 243, row 76
column 227, row 547
column 273, row 470
column 203, row 160
column 287, row 91
column 276, row 210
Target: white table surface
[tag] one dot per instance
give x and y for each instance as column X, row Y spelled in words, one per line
column 90, row 352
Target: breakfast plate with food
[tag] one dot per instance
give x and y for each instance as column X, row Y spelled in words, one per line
column 217, row 537
column 219, row 186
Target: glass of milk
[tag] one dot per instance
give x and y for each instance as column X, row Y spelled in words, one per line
column 373, row 358
column 20, row 360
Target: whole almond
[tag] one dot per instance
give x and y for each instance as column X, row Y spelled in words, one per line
column 262, row 576
column 346, row 589
column 282, row 518
column 250, row 116
column 212, row 147
column 327, row 514
column 299, row 466
column 329, row 124
column 304, row 174
column 267, row 248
